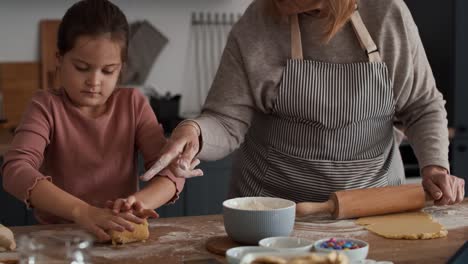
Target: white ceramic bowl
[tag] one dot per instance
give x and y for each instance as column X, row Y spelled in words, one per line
column 247, row 220
column 354, row 255
column 234, row 255
column 290, row 244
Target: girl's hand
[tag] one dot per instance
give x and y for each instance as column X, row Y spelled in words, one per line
column 181, row 148
column 445, row 189
column 101, row 220
column 131, row 205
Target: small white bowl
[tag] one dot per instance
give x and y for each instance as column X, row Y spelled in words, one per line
column 354, row 255
column 290, row 244
column 234, row 255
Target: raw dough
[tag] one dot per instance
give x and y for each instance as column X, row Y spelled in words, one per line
column 140, row 233
column 411, row 225
column 7, row 240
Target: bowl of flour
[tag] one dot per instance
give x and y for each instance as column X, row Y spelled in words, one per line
column 247, row 220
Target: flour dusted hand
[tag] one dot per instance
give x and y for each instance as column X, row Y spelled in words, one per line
column 444, row 188
column 179, row 153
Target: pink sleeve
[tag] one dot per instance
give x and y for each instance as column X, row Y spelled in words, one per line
column 22, row 161
column 150, row 139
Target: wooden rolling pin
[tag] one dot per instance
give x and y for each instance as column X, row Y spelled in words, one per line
column 368, row 202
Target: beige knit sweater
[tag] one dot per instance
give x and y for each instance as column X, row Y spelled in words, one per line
column 251, row 68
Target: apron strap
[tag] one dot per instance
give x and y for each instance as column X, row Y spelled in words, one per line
column 365, row 39
column 296, row 40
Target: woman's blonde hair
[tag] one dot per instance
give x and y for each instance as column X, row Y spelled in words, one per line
column 335, row 12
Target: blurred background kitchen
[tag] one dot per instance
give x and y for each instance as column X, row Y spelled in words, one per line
column 175, row 48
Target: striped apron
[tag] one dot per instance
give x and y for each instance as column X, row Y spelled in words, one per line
column 331, row 128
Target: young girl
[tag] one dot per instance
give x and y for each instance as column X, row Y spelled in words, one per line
column 74, row 154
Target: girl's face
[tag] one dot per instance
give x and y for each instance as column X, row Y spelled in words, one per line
column 289, row 7
column 89, row 72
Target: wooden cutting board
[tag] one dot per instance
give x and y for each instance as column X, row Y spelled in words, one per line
column 220, row 244
column 9, row 257
column 48, row 47
column 18, row 83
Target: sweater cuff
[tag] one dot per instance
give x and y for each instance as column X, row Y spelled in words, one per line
column 207, row 132
column 178, row 182
column 434, row 162
column 27, row 199
column 197, row 125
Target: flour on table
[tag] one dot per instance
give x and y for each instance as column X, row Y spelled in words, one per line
column 322, row 225
column 450, row 216
column 371, row 261
column 141, row 250
column 182, row 240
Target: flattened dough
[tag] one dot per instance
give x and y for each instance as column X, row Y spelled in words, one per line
column 140, row 233
column 412, row 225
column 7, row 240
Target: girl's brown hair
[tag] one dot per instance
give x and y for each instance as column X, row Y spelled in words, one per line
column 335, row 12
column 92, row 18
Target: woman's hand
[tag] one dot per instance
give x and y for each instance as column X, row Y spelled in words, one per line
column 100, row 221
column 445, row 189
column 181, row 149
column 191, row 172
column 131, row 205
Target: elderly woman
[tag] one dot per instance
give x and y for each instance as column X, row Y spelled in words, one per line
column 310, row 91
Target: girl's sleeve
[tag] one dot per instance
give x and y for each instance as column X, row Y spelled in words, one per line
column 150, row 139
column 20, row 170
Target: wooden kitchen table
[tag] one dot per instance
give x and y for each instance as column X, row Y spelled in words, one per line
column 174, row 240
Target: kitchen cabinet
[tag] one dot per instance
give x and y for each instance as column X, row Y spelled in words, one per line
column 461, row 69
column 13, row 211
column 410, row 163
column 459, row 148
column 18, row 83
column 460, row 158
column 205, row 195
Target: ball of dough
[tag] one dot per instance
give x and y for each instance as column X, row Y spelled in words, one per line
column 140, row 233
column 7, row 240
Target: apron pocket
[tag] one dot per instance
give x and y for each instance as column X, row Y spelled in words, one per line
column 301, row 179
